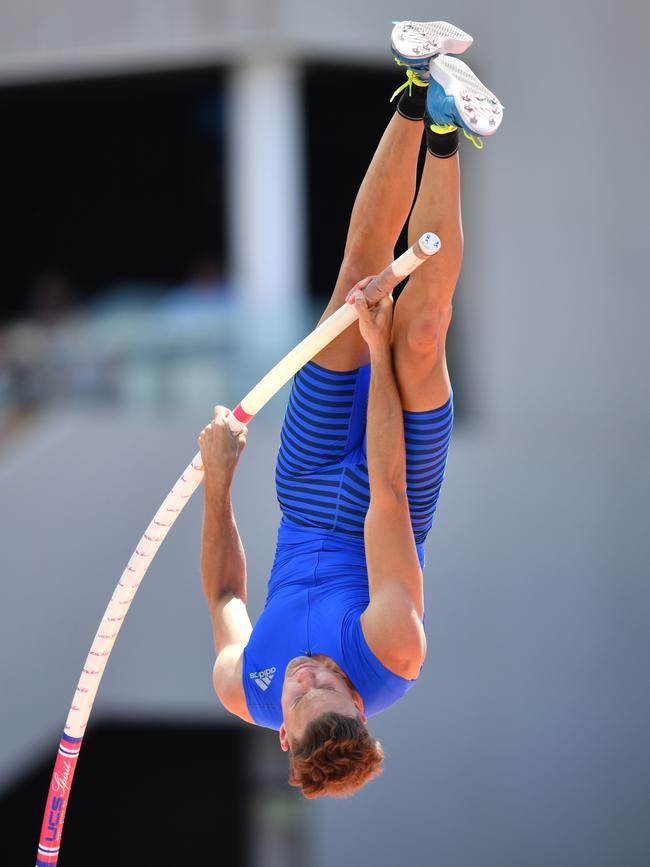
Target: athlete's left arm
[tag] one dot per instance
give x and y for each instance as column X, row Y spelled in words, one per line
column 223, row 562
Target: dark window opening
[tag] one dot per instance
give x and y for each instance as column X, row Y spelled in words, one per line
column 110, row 180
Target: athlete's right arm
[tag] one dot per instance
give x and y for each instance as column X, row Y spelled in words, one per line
column 392, row 623
column 223, row 562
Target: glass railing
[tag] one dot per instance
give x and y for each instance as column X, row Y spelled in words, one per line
column 144, row 354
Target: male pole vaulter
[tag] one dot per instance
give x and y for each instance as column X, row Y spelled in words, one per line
column 362, row 458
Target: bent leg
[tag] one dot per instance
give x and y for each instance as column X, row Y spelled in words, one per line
column 378, row 216
column 423, row 312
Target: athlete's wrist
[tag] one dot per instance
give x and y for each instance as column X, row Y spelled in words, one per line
column 381, row 354
column 216, row 487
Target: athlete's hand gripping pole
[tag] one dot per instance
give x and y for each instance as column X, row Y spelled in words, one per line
column 70, row 745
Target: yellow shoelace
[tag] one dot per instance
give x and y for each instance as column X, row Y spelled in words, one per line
column 441, row 129
column 477, row 142
column 411, row 79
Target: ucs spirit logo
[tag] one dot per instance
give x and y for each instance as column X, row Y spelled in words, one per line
column 55, row 817
column 61, row 783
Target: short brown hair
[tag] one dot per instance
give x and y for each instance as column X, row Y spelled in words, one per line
column 336, row 755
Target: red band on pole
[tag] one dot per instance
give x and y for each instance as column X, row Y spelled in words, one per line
column 241, row 415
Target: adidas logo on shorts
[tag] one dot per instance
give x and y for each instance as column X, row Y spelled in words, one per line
column 263, row 678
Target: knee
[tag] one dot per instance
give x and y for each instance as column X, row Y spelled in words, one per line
column 427, row 331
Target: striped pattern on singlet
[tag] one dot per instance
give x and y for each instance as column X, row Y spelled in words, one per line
column 322, row 474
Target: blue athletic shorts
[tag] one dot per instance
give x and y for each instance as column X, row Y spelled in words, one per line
column 322, row 473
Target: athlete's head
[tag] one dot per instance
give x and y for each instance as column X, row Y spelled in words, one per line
column 331, row 750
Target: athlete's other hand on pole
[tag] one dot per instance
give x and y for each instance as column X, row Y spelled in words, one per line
column 375, row 322
column 220, row 447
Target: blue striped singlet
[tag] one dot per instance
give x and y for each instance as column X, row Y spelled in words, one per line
column 318, row 588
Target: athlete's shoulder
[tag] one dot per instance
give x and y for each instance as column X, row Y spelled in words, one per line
column 396, row 637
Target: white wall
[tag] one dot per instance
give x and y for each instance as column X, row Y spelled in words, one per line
column 77, row 37
column 61, row 38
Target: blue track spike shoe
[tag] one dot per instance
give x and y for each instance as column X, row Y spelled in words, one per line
column 414, row 43
column 457, row 97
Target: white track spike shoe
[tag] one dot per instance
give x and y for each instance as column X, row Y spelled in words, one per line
column 414, row 43
column 456, row 96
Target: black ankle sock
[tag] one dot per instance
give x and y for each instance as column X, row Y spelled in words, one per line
column 411, row 106
column 442, row 145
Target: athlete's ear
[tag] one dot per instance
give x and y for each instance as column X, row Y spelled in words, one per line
column 284, row 740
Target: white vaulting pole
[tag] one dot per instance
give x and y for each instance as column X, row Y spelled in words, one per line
column 154, row 535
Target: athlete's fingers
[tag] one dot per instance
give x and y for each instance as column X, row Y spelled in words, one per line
column 357, row 297
column 360, row 285
column 360, row 304
column 375, row 312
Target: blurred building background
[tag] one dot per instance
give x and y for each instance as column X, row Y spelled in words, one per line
column 175, row 180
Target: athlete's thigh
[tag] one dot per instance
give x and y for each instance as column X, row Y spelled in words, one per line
column 349, row 350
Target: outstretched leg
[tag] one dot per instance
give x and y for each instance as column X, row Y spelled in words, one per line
column 378, row 216
column 423, row 312
column 455, row 100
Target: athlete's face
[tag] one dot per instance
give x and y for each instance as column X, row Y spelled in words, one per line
column 313, row 686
